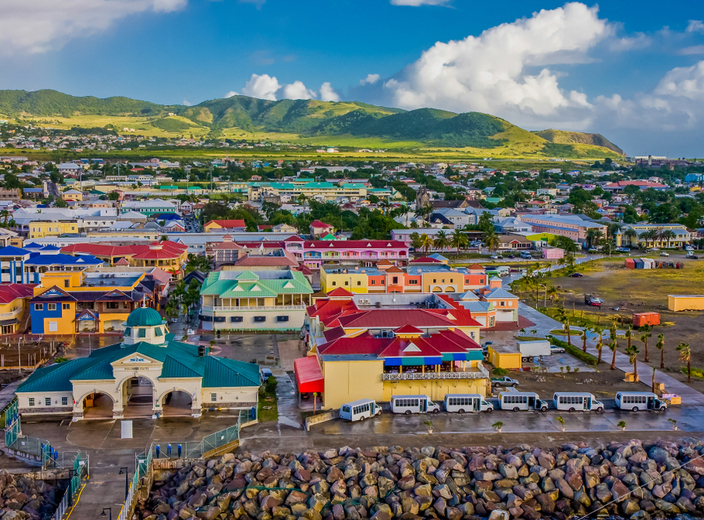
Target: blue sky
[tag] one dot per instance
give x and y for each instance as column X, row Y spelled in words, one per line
column 633, row 71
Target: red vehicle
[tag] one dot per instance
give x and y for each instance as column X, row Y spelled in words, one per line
column 592, row 300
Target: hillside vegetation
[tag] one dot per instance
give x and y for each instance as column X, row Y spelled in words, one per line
column 345, row 123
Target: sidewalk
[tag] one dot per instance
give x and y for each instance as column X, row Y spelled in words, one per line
column 544, row 324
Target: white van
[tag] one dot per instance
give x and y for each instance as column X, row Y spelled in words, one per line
column 461, row 403
column 635, row 401
column 522, row 401
column 572, row 401
column 359, row 410
column 409, row 404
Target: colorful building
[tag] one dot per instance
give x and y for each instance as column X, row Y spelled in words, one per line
column 67, row 303
column 238, row 298
column 225, row 226
column 14, row 308
column 417, row 278
column 168, row 256
column 146, row 375
column 316, row 253
column 28, row 264
column 407, row 361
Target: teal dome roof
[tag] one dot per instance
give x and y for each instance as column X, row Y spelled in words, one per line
column 144, row 317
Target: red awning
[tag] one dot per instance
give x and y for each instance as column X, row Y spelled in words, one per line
column 309, row 377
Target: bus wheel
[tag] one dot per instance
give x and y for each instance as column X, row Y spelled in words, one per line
column 489, row 410
column 599, row 410
column 515, row 408
column 634, row 409
column 361, row 418
column 407, row 412
column 437, row 410
column 572, row 409
column 461, row 410
column 544, row 409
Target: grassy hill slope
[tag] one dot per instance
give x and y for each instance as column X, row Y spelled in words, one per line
column 345, row 123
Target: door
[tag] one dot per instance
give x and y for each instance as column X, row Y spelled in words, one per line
column 651, row 403
column 477, row 403
column 587, row 403
column 423, row 405
column 531, row 402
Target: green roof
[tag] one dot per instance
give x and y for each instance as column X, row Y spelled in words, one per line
column 180, row 360
column 144, row 317
column 225, row 284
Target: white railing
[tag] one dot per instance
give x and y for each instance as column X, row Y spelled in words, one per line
column 206, row 308
column 412, row 376
column 62, row 507
column 11, row 314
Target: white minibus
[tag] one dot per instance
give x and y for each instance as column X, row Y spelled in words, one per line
column 522, row 401
column 359, row 410
column 635, row 401
column 572, row 401
column 462, row 403
column 409, row 404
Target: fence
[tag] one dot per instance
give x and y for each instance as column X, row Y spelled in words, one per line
column 77, row 470
column 209, row 446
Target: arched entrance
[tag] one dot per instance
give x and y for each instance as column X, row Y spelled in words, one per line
column 97, row 406
column 176, row 403
column 138, row 397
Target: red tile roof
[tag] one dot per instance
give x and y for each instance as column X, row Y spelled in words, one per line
column 408, row 329
column 167, row 249
column 320, row 225
column 425, row 260
column 265, row 260
column 229, row 224
column 9, row 292
column 336, row 293
column 355, row 244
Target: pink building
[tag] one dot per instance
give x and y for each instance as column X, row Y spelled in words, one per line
column 553, row 253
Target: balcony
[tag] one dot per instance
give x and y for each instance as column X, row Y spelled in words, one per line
column 11, row 314
column 475, row 373
column 207, row 308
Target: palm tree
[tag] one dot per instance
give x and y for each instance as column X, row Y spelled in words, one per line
column 612, row 347
column 565, row 319
column 416, row 241
column 552, row 293
column 459, row 240
column 492, row 240
column 426, row 243
column 441, row 241
column 584, row 339
column 686, row 357
column 630, row 234
column 644, row 338
column 599, row 343
column 660, row 345
column 629, row 335
column 667, row 235
column 632, row 352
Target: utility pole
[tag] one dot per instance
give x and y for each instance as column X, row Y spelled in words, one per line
column 19, row 355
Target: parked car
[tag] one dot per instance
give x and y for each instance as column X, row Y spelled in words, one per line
column 511, row 256
column 664, row 254
column 576, row 275
column 622, row 250
column 592, row 300
column 554, row 349
column 266, row 374
column 526, row 255
column 692, row 257
column 503, row 381
column 497, row 257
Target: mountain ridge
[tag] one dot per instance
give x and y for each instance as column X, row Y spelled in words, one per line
column 306, row 120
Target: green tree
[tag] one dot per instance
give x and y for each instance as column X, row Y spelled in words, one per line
column 427, row 243
column 632, row 353
column 660, row 345
column 491, row 240
column 644, row 338
column 441, row 241
column 416, row 241
column 686, row 357
column 459, row 240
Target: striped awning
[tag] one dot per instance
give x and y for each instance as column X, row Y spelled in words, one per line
column 464, row 356
column 412, row 361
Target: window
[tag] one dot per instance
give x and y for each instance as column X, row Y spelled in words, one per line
column 259, row 319
column 47, row 401
column 346, row 282
column 334, row 284
column 141, row 333
column 128, row 331
column 359, row 283
column 502, row 304
column 31, row 401
column 235, row 319
column 66, row 306
column 38, row 306
column 373, row 282
column 395, row 279
column 412, row 282
column 53, row 326
column 64, row 401
column 112, row 305
column 51, row 306
column 213, row 397
column 66, row 283
column 158, row 332
column 282, row 318
column 383, row 282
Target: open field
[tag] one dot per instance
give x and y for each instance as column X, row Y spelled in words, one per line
column 636, row 290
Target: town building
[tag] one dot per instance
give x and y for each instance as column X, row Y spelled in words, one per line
column 14, row 307
column 167, row 255
column 654, row 235
column 148, row 374
column 149, row 207
column 315, row 253
column 407, row 361
column 28, row 264
column 247, row 298
column 570, row 226
column 225, row 226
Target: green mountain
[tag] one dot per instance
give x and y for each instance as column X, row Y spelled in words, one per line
column 309, row 120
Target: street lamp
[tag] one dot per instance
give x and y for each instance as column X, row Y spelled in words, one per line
column 125, row 470
column 109, row 510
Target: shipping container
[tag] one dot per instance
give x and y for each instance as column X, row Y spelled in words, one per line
column 646, row 318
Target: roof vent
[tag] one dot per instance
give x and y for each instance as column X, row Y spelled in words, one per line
column 202, row 351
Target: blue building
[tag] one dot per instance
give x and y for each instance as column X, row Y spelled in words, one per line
column 28, row 264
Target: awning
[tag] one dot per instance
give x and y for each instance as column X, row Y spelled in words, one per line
column 309, row 377
column 8, row 322
column 464, row 356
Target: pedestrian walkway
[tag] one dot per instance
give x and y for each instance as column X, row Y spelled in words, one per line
column 286, row 400
column 544, row 324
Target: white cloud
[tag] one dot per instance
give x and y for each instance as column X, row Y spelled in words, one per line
column 694, row 49
column 41, row 25
column 687, row 82
column 416, row 3
column 629, row 43
column 230, row 94
column 297, row 90
column 493, row 72
column 263, row 87
column 187, row 103
column 370, row 79
column 695, row 26
column 327, row 93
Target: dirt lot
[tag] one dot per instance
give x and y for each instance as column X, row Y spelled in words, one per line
column 635, row 290
column 603, row 384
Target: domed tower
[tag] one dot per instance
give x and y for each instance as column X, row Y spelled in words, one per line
column 145, row 325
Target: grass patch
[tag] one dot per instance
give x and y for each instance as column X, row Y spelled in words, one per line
column 697, row 373
column 268, row 410
column 574, row 351
column 581, row 318
column 529, row 338
column 572, row 332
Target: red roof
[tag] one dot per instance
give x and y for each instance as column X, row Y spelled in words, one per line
column 320, row 225
column 229, row 224
column 265, row 260
column 339, row 292
column 408, row 329
column 9, row 292
column 309, row 377
column 166, row 249
column 355, row 244
column 425, row 260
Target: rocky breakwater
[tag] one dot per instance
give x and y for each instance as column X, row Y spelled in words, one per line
column 633, row 480
column 24, row 498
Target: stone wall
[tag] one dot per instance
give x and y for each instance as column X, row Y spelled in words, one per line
column 632, row 480
column 22, row 497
